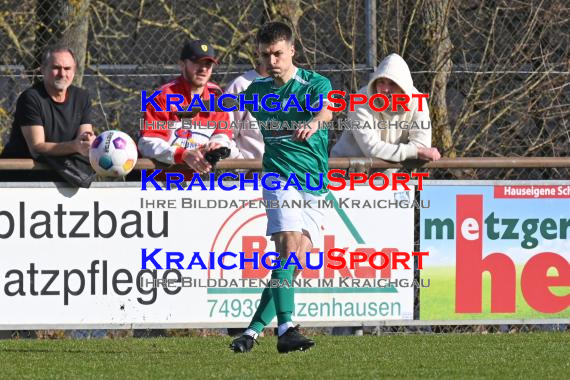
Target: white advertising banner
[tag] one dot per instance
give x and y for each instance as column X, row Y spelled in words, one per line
column 91, row 257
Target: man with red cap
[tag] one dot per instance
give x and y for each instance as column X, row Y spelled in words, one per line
column 189, row 144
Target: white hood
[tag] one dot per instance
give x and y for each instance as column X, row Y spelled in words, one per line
column 393, row 67
column 396, row 69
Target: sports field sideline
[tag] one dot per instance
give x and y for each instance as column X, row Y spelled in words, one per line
column 528, row 355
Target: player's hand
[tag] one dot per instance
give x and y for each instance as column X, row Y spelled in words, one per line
column 83, row 143
column 303, row 134
column 195, row 160
column 87, row 136
column 212, row 146
column 428, row 154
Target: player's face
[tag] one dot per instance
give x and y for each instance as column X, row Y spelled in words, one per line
column 277, row 57
column 387, row 87
column 197, row 73
column 60, row 70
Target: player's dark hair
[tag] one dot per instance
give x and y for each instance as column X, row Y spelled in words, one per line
column 274, row 31
column 58, row 48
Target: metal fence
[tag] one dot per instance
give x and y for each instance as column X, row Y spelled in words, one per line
column 497, row 71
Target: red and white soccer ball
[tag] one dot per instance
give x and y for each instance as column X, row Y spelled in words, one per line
column 113, row 154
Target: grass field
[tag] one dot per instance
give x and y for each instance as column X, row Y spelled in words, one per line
column 528, row 355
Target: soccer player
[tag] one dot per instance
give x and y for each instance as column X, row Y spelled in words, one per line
column 297, row 151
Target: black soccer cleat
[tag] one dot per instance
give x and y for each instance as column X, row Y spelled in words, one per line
column 243, row 344
column 292, row 340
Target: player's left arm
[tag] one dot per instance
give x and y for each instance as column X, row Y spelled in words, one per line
column 321, row 88
column 303, row 134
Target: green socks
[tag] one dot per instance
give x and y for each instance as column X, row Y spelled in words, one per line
column 265, row 312
column 278, row 301
column 283, row 297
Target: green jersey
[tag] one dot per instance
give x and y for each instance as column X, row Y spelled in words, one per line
column 283, row 155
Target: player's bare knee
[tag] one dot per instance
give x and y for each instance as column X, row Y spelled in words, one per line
column 305, row 245
column 287, row 242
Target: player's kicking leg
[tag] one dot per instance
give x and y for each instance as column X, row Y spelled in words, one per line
column 290, row 339
column 284, row 226
column 279, row 301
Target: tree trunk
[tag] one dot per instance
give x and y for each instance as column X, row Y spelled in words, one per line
column 63, row 21
column 438, row 48
column 284, row 10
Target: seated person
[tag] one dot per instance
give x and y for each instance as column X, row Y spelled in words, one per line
column 52, row 117
column 189, row 144
column 388, row 139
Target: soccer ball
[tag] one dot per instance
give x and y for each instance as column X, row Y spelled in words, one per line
column 113, row 154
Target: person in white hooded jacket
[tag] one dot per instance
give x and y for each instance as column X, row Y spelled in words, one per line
column 389, row 139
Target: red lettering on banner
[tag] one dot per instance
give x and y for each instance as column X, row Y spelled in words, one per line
column 357, row 269
column 535, row 283
column 364, row 271
column 470, row 264
column 249, row 245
